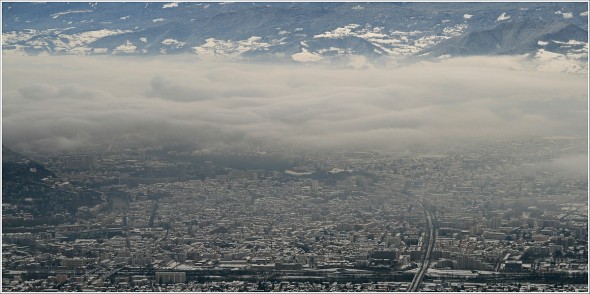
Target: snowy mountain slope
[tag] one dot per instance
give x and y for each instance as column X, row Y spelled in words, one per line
column 303, row 32
column 511, row 37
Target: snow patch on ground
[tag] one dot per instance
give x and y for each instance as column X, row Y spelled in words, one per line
column 567, row 15
column 91, row 36
column 570, row 42
column 339, row 32
column 548, row 61
column 126, row 47
column 170, row 5
column 334, row 50
column 503, row 16
column 76, row 44
column 9, row 38
column 454, row 30
column 306, row 56
column 580, row 53
column 564, row 14
column 56, row 15
column 394, row 43
column 173, row 43
column 15, row 50
column 214, row 47
column 427, row 41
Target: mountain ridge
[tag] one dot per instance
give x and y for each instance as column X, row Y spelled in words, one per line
column 510, row 38
column 320, row 32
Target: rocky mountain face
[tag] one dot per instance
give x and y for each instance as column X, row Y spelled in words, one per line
column 300, row 32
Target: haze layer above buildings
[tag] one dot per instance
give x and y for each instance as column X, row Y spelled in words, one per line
column 295, row 146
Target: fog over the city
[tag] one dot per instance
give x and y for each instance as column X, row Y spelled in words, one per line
column 62, row 103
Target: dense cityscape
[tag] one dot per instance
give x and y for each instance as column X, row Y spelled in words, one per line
column 294, row 146
column 498, row 216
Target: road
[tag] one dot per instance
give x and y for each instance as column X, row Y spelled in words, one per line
column 426, row 257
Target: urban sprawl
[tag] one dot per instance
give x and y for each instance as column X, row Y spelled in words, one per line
column 495, row 217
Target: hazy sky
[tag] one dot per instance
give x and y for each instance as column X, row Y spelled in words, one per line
column 63, row 102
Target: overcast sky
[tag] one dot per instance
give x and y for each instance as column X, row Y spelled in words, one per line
column 64, row 102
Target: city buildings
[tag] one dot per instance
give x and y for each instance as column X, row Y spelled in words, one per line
column 353, row 222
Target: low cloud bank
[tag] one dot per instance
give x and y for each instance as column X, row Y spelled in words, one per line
column 65, row 102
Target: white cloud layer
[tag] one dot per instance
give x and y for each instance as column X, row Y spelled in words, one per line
column 65, row 102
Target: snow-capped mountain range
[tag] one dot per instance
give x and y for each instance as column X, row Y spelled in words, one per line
column 302, row 32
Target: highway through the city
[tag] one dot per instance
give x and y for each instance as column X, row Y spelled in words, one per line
column 426, row 257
